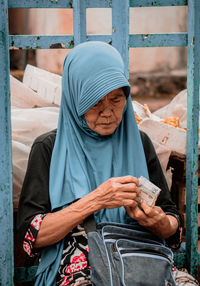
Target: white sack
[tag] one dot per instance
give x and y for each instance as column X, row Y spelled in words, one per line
column 46, row 84
column 24, row 97
column 27, row 124
column 172, row 138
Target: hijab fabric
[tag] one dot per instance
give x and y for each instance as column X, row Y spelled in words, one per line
column 81, row 158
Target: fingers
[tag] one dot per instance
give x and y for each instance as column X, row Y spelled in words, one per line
column 153, row 218
column 126, row 195
column 127, row 179
column 136, row 213
column 147, row 209
column 129, row 204
column 150, row 211
column 117, row 192
column 146, row 215
column 129, row 187
column 128, row 184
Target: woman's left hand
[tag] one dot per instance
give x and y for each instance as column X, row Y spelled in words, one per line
column 154, row 219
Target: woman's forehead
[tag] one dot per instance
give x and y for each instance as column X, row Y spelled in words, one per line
column 118, row 91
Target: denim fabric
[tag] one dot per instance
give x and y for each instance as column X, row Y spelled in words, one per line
column 100, row 274
column 122, row 255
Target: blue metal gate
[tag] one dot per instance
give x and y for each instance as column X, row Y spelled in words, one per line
column 122, row 40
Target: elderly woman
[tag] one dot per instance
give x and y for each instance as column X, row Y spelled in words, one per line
column 92, row 168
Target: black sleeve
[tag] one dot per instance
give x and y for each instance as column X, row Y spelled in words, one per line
column 34, row 198
column 157, row 177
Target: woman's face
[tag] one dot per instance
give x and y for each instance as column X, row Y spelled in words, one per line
column 106, row 115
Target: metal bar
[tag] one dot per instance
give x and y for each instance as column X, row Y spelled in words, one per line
column 192, row 134
column 57, row 3
column 158, row 40
column 79, row 21
column 157, row 3
column 26, row 20
column 67, row 41
column 40, row 4
column 120, row 30
column 121, row 39
column 25, row 274
column 50, row 42
column 91, row 3
column 104, row 38
column 41, row 42
column 6, row 202
column 180, row 260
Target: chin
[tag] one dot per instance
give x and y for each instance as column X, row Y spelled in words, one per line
column 106, row 132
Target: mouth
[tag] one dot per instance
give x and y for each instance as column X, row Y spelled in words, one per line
column 106, row 123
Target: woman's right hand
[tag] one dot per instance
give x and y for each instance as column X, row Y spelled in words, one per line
column 117, row 192
column 113, row 193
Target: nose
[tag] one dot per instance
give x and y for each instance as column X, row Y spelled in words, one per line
column 106, row 108
column 106, row 112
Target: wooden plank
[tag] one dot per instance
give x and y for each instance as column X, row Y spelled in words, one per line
column 178, row 165
column 120, row 30
column 192, row 133
column 198, row 223
column 182, row 198
column 6, row 203
column 79, row 21
column 91, row 3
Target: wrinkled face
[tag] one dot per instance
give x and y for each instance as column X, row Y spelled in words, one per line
column 106, row 115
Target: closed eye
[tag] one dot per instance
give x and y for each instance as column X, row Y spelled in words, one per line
column 117, row 98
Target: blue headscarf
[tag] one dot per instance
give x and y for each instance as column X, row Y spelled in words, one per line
column 82, row 159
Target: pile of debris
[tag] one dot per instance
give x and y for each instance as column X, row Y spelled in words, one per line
column 164, row 127
column 166, row 124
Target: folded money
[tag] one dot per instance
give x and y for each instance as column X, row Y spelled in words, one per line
column 148, row 192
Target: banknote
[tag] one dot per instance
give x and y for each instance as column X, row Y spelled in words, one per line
column 148, row 191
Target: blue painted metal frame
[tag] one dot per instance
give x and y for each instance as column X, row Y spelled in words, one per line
column 79, row 21
column 120, row 29
column 121, row 39
column 67, row 41
column 91, row 3
column 193, row 49
column 6, row 206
